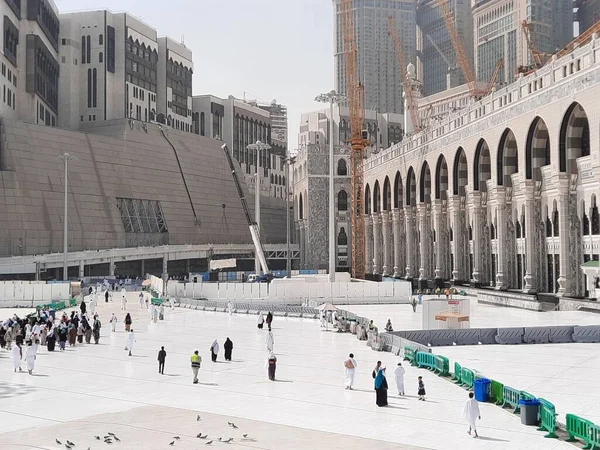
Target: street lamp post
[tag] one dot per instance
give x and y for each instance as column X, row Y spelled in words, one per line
column 259, row 147
column 288, row 160
column 331, row 97
column 65, row 157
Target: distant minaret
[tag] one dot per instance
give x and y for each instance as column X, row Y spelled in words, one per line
column 416, row 86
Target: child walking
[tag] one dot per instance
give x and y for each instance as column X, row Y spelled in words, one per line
column 421, row 389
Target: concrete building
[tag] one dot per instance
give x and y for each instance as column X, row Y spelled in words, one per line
column 502, row 193
column 436, row 59
column 588, row 13
column 279, row 121
column 113, row 66
column 29, row 61
column 498, row 33
column 377, row 66
column 311, row 180
column 240, row 124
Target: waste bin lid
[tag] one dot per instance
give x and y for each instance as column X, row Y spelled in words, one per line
column 482, row 381
column 533, row 402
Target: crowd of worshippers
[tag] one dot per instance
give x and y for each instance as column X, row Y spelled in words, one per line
column 44, row 328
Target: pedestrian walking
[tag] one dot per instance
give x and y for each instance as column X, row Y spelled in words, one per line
column 399, row 375
column 260, row 320
column 376, row 369
column 162, row 355
column 113, row 322
column 214, row 351
column 127, row 322
column 83, row 307
column 141, row 298
column 130, row 341
column 350, row 365
column 123, row 302
column 230, row 308
column 381, row 388
column 421, row 391
column 228, row 347
column 96, row 329
column 269, row 320
column 161, row 312
column 272, row 366
column 196, row 361
column 414, row 304
column 471, row 414
column 30, row 356
column 106, row 295
column 16, row 355
column 269, row 342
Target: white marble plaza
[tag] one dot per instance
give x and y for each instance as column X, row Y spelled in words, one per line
column 92, row 389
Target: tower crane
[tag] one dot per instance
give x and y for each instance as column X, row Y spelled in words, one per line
column 408, row 92
column 582, row 38
column 461, row 56
column 358, row 139
column 492, row 82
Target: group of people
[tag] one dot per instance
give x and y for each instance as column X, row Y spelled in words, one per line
column 196, row 359
column 41, row 329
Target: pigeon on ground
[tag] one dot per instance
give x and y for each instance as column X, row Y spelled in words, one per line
column 228, row 440
column 117, row 439
column 172, row 443
column 245, row 435
column 220, row 439
column 198, row 418
column 97, row 437
column 58, row 442
column 208, row 443
column 176, row 437
column 70, row 443
column 68, row 446
column 112, row 434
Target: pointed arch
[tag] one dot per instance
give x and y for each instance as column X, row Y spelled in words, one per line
column 368, row 199
column 387, row 194
column 425, row 184
column 537, row 149
column 574, row 139
column 398, row 191
column 342, row 167
column 411, row 188
column 376, row 197
column 508, row 158
column 460, row 173
column 441, row 179
column 482, row 167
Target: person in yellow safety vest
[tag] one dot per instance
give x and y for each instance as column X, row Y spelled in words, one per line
column 196, row 360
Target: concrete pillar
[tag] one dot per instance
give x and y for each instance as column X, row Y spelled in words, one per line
column 476, row 216
column 302, row 244
column 423, row 242
column 410, row 236
column 165, row 270
column 368, row 244
column 111, row 267
column 502, row 283
column 81, row 269
column 531, row 276
column 396, row 230
column 376, row 244
column 458, row 232
column 440, row 247
column 564, row 280
column 385, row 227
column 143, row 268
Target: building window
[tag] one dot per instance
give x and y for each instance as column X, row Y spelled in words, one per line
column 202, row 124
column 89, row 49
column 342, row 201
column 89, row 87
column 95, row 86
column 110, row 49
column 82, row 49
column 100, row 57
column 342, row 168
column 101, row 40
column 142, row 216
column 11, row 41
column 342, row 237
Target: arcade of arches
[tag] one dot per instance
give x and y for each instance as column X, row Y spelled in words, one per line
column 479, row 220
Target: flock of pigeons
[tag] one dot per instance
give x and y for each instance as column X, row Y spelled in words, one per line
column 111, row 438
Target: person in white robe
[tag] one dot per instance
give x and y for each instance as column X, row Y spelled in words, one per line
column 323, row 320
column 27, row 331
column 471, row 414
column 269, row 342
column 214, row 351
column 15, row 356
column 93, row 303
column 172, row 302
column 130, row 341
column 260, row 320
column 399, row 374
column 36, row 331
column 113, row 322
column 350, row 365
column 30, row 357
column 154, row 313
column 161, row 312
column 229, row 308
column 123, row 302
column 141, row 298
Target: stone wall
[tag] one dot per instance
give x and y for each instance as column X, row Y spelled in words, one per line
column 119, row 159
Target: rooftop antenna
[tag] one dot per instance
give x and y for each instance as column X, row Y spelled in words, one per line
column 183, row 39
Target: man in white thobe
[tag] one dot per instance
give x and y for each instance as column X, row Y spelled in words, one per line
column 130, row 341
column 30, row 356
column 113, row 322
column 230, row 308
column 471, row 414
column 269, row 342
column 350, row 365
column 399, row 374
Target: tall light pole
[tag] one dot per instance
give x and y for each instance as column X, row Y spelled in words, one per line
column 65, row 157
column 331, row 97
column 259, row 147
column 288, row 160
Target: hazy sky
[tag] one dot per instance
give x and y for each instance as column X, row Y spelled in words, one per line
column 270, row 49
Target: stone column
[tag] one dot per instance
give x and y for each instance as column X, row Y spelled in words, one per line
column 376, row 244
column 385, row 228
column 368, row 245
column 502, row 282
column 111, row 267
column 564, row 280
column 476, row 216
column 302, row 244
column 165, row 270
column 531, row 279
column 81, row 269
column 457, row 239
column 410, row 251
column 423, row 242
column 440, row 247
column 396, row 229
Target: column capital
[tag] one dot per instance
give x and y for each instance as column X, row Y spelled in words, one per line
column 368, row 220
column 376, row 219
column 385, row 216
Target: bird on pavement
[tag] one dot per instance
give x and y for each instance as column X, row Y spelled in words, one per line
column 172, row 443
column 198, row 418
column 117, row 439
column 208, row 443
column 70, row 443
column 97, row 437
column 228, row 440
column 176, row 437
column 58, row 442
column 245, row 435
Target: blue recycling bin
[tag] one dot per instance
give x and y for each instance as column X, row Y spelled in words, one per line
column 482, row 389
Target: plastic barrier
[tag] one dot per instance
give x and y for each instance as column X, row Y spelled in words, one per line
column 467, row 377
column 511, row 398
column 426, row 360
column 579, row 428
column 510, row 336
column 594, row 436
column 527, row 396
column 536, row 335
column 156, row 301
column 72, row 302
column 442, row 337
column 547, row 418
column 442, row 365
column 496, row 390
column 410, row 355
column 457, row 373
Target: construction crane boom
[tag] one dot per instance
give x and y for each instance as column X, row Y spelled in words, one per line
column 461, row 56
column 492, row 82
column 587, row 34
column 408, row 92
column 531, row 44
column 254, row 230
column 358, row 142
column 440, row 52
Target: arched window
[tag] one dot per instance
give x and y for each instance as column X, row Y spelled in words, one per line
column 518, row 229
column 492, row 231
column 342, row 237
column 272, row 180
column 342, row 168
column 342, row 201
column 470, row 233
column 548, row 227
column 555, row 223
column 595, row 219
column 451, row 234
column 586, row 224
